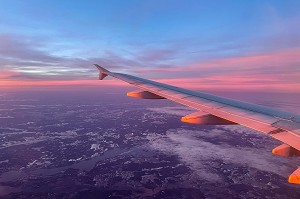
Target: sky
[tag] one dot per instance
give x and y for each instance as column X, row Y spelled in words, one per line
column 208, row 45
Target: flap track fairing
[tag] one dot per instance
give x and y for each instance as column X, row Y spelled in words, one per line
column 205, row 118
column 144, row 95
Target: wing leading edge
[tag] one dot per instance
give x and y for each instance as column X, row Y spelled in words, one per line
column 211, row 109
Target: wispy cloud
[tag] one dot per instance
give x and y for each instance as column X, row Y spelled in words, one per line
column 27, row 59
column 267, row 71
column 269, row 60
column 23, row 49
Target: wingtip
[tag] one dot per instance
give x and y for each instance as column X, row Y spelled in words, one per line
column 102, row 72
column 101, row 68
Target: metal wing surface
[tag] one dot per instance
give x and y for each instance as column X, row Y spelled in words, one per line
column 281, row 125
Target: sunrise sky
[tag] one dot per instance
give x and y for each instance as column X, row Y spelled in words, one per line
column 235, row 45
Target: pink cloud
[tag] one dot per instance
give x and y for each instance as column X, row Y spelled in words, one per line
column 268, row 71
column 7, row 74
column 234, row 84
column 269, row 60
column 265, row 60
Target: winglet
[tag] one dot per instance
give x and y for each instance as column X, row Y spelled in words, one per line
column 102, row 72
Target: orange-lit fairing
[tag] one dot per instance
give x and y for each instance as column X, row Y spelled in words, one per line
column 295, row 177
column 205, row 118
column 286, row 151
column 143, row 95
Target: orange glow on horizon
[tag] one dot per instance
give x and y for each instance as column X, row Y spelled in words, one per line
column 19, row 84
column 215, row 83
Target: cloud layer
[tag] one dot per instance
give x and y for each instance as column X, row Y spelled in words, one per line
column 201, row 149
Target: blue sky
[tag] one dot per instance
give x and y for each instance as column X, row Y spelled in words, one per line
column 59, row 40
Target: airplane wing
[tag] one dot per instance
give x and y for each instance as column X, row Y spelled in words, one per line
column 214, row 110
